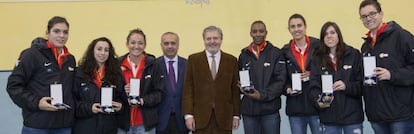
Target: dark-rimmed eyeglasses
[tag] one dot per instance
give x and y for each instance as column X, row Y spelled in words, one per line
column 370, row 15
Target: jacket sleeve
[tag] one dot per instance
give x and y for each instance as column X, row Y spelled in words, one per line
column 288, row 83
column 315, row 82
column 157, row 91
column 83, row 108
column 275, row 85
column 123, row 116
column 354, row 85
column 241, row 65
column 403, row 75
column 236, row 90
column 18, row 80
column 188, row 90
column 121, row 96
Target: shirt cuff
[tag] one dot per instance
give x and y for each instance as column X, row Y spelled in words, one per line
column 236, row 117
column 188, row 116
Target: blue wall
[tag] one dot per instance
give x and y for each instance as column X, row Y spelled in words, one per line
column 11, row 119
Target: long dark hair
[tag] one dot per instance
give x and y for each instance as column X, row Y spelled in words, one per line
column 88, row 63
column 323, row 50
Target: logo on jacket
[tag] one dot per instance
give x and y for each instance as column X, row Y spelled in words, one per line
column 113, row 86
column 84, row 87
column 71, row 69
column 383, row 55
column 17, row 63
column 288, row 61
column 266, row 64
column 346, row 67
column 147, row 76
column 123, row 68
column 47, row 64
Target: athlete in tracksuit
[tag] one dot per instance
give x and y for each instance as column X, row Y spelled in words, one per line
column 30, row 80
column 341, row 111
column 388, row 104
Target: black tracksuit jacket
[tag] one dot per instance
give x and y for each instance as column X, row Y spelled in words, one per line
column 30, row 80
column 299, row 105
column 346, row 107
column 268, row 76
column 391, row 100
column 152, row 90
column 87, row 93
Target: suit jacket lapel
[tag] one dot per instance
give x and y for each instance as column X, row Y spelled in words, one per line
column 163, row 66
column 222, row 64
column 205, row 65
column 164, row 70
column 181, row 71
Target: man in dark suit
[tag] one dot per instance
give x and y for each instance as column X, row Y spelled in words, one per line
column 173, row 67
column 211, row 97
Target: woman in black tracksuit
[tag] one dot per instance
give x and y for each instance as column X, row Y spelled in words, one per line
column 45, row 63
column 97, row 69
column 344, row 114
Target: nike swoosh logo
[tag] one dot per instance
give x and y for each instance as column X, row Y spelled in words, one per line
column 70, row 69
column 47, row 64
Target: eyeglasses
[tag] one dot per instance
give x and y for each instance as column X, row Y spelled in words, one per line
column 370, row 15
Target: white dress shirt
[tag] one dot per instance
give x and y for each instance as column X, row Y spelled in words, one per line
column 217, row 57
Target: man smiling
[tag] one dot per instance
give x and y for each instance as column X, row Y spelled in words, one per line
column 267, row 70
column 388, row 104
